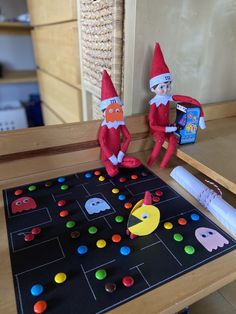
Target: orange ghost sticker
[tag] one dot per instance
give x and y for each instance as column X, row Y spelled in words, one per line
column 113, row 113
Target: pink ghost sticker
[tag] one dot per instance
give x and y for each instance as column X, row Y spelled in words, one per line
column 22, row 204
column 210, row 238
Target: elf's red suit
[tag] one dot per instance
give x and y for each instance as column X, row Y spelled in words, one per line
column 158, row 118
column 110, row 142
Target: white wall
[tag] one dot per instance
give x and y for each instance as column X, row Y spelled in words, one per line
column 198, row 40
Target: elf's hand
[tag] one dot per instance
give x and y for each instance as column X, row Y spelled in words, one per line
column 170, row 129
column 120, row 156
column 202, row 123
column 113, row 160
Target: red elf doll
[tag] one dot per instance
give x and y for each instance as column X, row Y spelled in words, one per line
column 158, row 116
column 113, row 150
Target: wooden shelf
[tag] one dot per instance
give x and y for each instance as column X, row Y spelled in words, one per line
column 19, row 77
column 12, row 28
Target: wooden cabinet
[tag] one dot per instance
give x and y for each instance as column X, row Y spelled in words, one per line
column 56, row 47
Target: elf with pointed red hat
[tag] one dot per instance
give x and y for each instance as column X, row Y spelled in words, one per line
column 113, row 151
column 158, row 117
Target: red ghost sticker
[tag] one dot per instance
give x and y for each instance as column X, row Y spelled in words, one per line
column 23, row 203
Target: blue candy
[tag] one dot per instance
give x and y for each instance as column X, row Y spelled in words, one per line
column 61, row 179
column 125, row 250
column 82, row 249
column 195, row 217
column 121, row 197
column 36, row 290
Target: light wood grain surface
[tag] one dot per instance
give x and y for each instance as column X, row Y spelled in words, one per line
column 170, row 297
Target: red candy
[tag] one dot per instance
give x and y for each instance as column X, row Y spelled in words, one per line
column 122, row 179
column 182, row 221
column 156, row 199
column 63, row 213
column 159, row 193
column 128, row 281
column 36, row 230
column 18, row 192
column 29, row 237
column 61, row 203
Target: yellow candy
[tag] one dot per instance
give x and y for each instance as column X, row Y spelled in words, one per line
column 115, row 190
column 168, row 225
column 101, row 178
column 60, row 277
column 101, row 244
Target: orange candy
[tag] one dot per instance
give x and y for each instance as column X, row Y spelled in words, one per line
column 116, row 238
column 182, row 221
column 97, row 172
column 40, row 306
column 128, row 205
column 63, row 213
column 18, row 192
column 134, row 177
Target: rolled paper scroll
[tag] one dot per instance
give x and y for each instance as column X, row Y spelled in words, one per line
column 212, row 201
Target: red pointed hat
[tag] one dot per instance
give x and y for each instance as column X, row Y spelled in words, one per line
column 160, row 72
column 108, row 92
column 147, row 198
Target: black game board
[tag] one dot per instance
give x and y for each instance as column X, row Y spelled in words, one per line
column 153, row 261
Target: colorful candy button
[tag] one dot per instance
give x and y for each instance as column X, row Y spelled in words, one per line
column 128, row 281
column 29, row 237
column 36, row 290
column 101, row 274
column 182, row 221
column 168, row 225
column 40, row 307
column 134, row 177
column 88, row 175
column 97, row 172
column 18, row 192
column 61, row 180
column 158, row 193
column 36, row 230
column 101, row 178
column 101, row 243
column 119, row 219
column 60, row 277
column 110, row 287
column 61, row 203
column 64, row 187
column 32, row 188
column 70, row 224
column 92, row 230
column 128, row 205
column 115, row 191
column 63, row 213
column 116, row 238
column 178, row 237
column 125, row 250
column 48, row 184
column 189, row 249
column 195, row 217
column 156, row 199
column 121, row 197
column 75, row 234
column 122, row 179
column 82, row 249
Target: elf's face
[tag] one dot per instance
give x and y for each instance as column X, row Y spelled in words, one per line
column 113, row 113
column 163, row 89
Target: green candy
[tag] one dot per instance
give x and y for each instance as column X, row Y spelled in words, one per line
column 101, row 274
column 92, row 230
column 189, row 249
column 32, row 188
column 119, row 219
column 64, row 187
column 70, row 224
column 178, row 237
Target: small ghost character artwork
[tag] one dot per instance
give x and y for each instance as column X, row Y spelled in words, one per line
column 22, row 204
column 210, row 238
column 96, row 205
column 114, row 113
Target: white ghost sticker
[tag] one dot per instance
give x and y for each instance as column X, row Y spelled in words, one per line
column 96, row 205
column 210, row 238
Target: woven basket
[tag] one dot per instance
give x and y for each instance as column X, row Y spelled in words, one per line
column 101, row 23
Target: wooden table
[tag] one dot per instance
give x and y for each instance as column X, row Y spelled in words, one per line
column 28, row 156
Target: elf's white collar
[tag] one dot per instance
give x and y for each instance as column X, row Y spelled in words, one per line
column 160, row 100
column 114, row 124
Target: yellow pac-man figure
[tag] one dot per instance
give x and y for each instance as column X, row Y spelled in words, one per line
column 144, row 217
